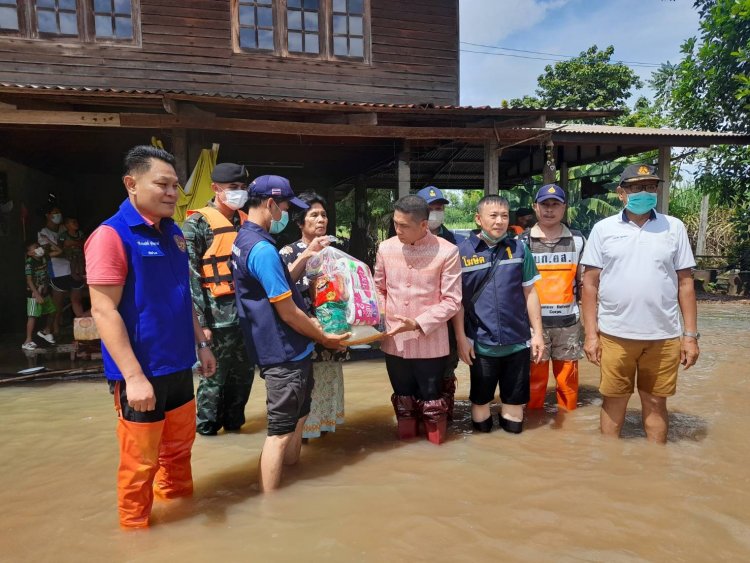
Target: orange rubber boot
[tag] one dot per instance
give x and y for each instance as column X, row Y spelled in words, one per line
column 139, row 461
column 538, row 376
column 566, row 374
column 175, row 477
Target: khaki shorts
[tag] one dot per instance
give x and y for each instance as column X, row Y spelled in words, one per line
column 562, row 343
column 655, row 362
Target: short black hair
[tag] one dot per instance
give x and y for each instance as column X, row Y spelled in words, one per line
column 524, row 211
column 310, row 198
column 492, row 200
column 413, row 205
column 31, row 242
column 138, row 159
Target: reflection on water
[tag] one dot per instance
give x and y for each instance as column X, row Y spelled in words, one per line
column 557, row 491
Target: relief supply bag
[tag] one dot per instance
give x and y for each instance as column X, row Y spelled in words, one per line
column 344, row 295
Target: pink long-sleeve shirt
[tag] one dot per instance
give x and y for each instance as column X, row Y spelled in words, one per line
column 421, row 281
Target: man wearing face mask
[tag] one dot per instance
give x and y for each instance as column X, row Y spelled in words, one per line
column 637, row 281
column 278, row 333
column 210, row 233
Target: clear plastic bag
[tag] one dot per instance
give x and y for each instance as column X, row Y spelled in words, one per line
column 342, row 283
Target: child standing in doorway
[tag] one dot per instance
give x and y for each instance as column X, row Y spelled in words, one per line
column 39, row 304
column 71, row 242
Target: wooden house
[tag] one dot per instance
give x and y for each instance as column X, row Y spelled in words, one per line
column 334, row 94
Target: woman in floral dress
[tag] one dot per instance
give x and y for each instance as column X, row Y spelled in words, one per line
column 327, row 409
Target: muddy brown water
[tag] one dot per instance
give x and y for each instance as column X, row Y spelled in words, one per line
column 556, row 492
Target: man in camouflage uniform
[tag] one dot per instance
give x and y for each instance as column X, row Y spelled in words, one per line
column 221, row 399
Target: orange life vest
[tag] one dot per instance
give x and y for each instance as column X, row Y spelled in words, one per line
column 557, row 288
column 215, row 274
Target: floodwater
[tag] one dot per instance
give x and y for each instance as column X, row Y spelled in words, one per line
column 556, row 492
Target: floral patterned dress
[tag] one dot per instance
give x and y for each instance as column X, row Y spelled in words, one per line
column 327, row 408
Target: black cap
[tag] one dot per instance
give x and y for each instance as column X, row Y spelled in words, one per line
column 228, row 173
column 638, row 173
column 523, row 211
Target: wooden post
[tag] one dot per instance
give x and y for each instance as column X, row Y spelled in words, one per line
column 180, row 152
column 359, row 241
column 700, row 243
column 665, row 162
column 491, row 168
column 330, row 194
column 549, row 169
column 564, row 177
column 404, row 171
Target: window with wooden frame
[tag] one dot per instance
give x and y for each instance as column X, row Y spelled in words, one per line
column 88, row 21
column 322, row 29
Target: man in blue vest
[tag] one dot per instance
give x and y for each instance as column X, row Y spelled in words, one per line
column 500, row 306
column 279, row 335
column 137, row 266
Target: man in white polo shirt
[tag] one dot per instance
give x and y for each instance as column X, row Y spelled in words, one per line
column 638, row 266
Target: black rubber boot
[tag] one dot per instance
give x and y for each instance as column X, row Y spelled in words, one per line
column 484, row 426
column 510, row 425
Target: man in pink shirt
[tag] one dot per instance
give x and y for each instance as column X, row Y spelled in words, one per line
column 418, row 277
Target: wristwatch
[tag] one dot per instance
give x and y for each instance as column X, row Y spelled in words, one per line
column 203, row 344
column 696, row 335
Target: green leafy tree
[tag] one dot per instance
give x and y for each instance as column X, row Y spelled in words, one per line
column 589, row 80
column 710, row 89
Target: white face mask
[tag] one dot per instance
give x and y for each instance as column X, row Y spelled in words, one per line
column 39, row 252
column 56, row 218
column 435, row 219
column 235, row 199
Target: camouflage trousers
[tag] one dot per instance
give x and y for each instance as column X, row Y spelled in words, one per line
column 221, row 399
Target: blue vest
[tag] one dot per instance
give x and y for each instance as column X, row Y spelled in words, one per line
column 269, row 340
column 156, row 306
column 499, row 316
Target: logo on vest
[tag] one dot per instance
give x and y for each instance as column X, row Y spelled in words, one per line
column 473, row 261
column 180, row 242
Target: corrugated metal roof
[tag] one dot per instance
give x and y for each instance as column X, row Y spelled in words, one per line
column 642, row 131
column 249, row 98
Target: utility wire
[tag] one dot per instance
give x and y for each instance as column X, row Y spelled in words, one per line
column 559, row 57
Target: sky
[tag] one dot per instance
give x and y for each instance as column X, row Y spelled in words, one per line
column 642, row 31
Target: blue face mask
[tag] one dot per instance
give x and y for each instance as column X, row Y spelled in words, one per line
column 280, row 225
column 641, row 203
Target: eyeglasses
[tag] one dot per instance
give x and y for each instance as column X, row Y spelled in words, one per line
column 634, row 189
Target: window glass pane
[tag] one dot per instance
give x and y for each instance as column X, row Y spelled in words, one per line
column 340, row 46
column 124, row 28
column 265, row 39
column 311, row 21
column 247, row 15
column 356, row 47
column 265, row 17
column 339, row 5
column 356, row 6
column 8, row 18
column 247, row 38
column 294, row 3
column 46, row 22
column 311, row 43
column 264, row 2
column 102, row 6
column 339, row 24
column 355, row 25
column 103, row 26
column 67, row 4
column 68, row 23
column 294, row 19
column 123, row 7
column 45, row 3
column 311, row 4
column 295, row 42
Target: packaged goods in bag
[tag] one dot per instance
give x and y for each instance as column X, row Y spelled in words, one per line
column 344, row 295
